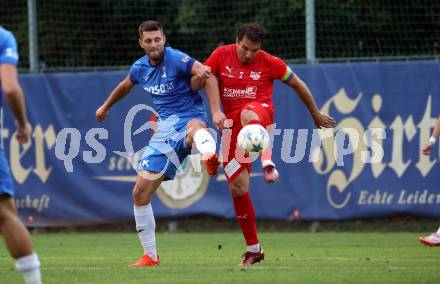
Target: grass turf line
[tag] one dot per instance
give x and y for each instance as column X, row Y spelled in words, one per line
column 214, row 258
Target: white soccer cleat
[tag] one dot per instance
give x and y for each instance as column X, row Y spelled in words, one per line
column 432, row 240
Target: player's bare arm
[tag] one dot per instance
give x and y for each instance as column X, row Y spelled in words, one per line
column 202, row 77
column 15, row 99
column 197, row 83
column 212, row 91
column 426, row 150
column 200, row 70
column 118, row 93
column 199, row 74
column 320, row 119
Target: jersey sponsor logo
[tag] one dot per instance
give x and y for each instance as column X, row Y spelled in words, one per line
column 250, row 92
column 255, row 75
column 229, row 74
column 160, row 89
column 185, row 59
column 11, row 53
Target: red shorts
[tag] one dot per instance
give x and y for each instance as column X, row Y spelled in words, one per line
column 234, row 159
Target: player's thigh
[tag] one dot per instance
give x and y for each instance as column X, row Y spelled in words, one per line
column 7, row 208
column 240, row 184
column 257, row 111
column 147, row 182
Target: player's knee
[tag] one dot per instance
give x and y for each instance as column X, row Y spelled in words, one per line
column 238, row 189
column 191, row 129
column 141, row 194
column 247, row 115
column 195, row 124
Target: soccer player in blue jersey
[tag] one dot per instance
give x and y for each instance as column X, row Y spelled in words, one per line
column 165, row 74
column 15, row 234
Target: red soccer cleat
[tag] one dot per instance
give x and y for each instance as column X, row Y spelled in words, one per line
column 432, row 240
column 250, row 258
column 211, row 163
column 145, row 260
column 271, row 174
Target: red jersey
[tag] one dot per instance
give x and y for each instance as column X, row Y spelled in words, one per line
column 241, row 84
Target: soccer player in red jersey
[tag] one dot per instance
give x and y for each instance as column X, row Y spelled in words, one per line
column 432, row 240
column 245, row 74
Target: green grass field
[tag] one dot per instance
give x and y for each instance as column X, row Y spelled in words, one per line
column 213, row 258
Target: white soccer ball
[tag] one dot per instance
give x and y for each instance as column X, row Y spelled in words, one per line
column 253, row 138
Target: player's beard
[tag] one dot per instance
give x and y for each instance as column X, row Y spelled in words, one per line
column 155, row 55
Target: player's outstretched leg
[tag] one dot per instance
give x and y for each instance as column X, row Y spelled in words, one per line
column 245, row 212
column 432, row 240
column 144, row 217
column 253, row 114
column 205, row 144
column 18, row 242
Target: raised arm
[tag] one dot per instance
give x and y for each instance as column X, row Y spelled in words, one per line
column 118, row 93
column 320, row 119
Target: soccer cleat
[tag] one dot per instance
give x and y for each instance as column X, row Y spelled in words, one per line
column 145, row 260
column 432, row 240
column 271, row 174
column 211, row 163
column 250, row 258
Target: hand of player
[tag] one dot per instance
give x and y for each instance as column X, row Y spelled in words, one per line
column 426, row 150
column 323, row 120
column 101, row 114
column 23, row 133
column 203, row 71
column 218, row 118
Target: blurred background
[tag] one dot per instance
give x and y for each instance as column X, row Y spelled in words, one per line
column 96, row 35
column 369, row 64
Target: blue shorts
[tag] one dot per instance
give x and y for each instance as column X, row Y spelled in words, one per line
column 6, row 185
column 167, row 148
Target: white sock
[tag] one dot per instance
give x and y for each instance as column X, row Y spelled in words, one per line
column 146, row 227
column 204, row 141
column 265, row 163
column 254, row 248
column 438, row 231
column 29, row 267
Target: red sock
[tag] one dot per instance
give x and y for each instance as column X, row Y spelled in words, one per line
column 245, row 212
column 267, row 154
column 254, row 121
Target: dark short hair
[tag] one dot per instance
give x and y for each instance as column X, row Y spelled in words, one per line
column 252, row 31
column 150, row 25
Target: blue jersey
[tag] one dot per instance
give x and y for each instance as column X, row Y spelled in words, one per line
column 8, row 50
column 8, row 47
column 8, row 54
column 168, row 83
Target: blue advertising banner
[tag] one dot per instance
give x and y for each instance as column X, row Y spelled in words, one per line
column 369, row 165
